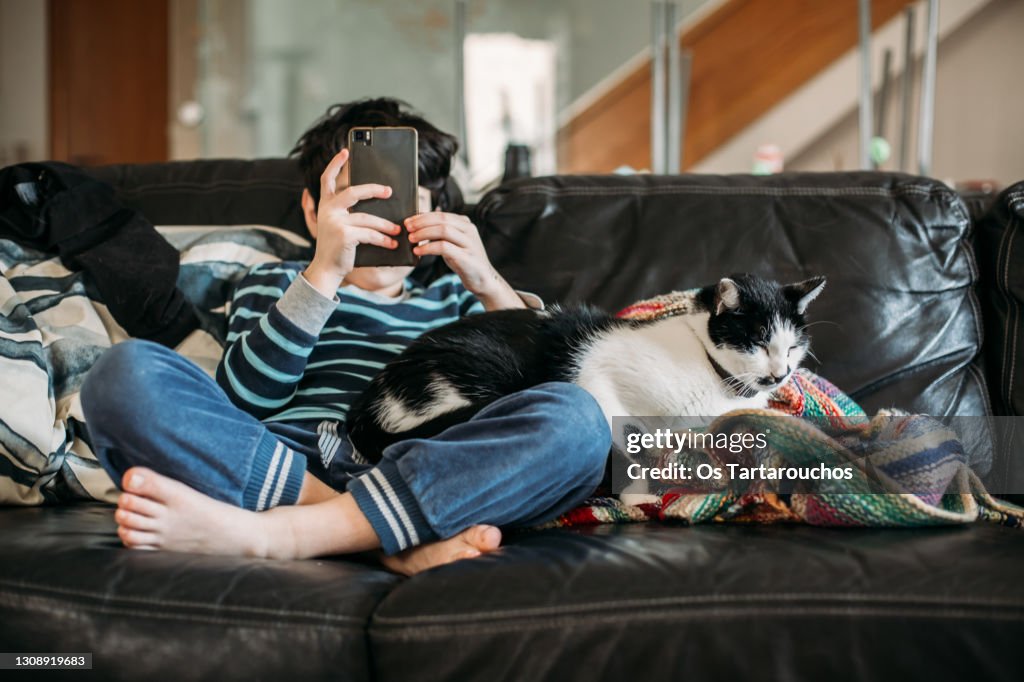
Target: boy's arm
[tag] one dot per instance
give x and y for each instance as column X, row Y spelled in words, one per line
column 471, row 305
column 276, row 319
column 275, row 324
column 455, row 238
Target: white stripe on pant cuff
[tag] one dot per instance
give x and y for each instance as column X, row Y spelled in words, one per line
column 378, row 500
column 389, row 492
column 262, row 500
column 282, row 477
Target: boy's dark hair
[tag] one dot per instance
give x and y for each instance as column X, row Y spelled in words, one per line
column 329, row 135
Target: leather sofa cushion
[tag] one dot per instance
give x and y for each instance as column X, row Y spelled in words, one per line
column 66, row 580
column 610, row 602
column 899, row 319
column 716, row 602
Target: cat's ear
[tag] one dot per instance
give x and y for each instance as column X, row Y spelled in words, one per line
column 727, row 296
column 802, row 293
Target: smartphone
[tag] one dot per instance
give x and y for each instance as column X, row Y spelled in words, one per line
column 386, row 155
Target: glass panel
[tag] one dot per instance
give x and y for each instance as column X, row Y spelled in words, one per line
column 269, row 68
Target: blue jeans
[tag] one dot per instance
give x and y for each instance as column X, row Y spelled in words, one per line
column 521, row 461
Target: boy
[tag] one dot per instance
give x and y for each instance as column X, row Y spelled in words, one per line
column 258, row 463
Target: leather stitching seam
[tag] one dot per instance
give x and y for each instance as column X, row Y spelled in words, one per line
column 51, row 592
column 412, row 630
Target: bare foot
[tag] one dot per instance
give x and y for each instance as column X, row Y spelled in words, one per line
column 468, row 544
column 156, row 512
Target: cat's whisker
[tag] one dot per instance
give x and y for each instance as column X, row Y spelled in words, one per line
column 739, row 381
column 811, row 324
column 745, row 375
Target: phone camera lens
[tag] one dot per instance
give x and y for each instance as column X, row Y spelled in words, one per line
column 360, row 134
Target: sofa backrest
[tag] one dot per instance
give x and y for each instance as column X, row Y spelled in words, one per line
column 897, row 325
column 212, row 191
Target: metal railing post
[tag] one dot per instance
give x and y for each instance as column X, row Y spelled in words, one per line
column 657, row 86
column 908, row 89
column 460, row 79
column 926, row 129
column 673, row 141
column 865, row 84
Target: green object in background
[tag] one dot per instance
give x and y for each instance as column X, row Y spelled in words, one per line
column 881, row 151
column 767, row 159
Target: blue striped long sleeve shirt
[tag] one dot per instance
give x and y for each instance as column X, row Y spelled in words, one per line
column 295, row 355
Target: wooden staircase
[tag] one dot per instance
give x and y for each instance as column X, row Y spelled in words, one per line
column 748, row 55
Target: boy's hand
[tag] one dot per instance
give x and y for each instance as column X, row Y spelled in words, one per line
column 456, row 239
column 339, row 232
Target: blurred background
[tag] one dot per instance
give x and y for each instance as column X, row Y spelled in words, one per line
column 532, row 86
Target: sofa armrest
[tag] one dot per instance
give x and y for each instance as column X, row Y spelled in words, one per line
column 999, row 245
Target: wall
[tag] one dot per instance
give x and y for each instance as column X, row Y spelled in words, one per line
column 979, row 118
column 23, row 81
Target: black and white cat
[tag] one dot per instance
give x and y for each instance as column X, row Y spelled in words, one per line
column 729, row 347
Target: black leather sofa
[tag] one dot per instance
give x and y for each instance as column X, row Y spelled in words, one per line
column 925, row 300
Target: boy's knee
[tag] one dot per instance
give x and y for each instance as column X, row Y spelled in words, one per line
column 576, row 408
column 581, row 425
column 125, row 377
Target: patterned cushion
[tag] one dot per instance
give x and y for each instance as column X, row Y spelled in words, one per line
column 53, row 327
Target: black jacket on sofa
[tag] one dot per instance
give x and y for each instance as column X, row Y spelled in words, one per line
column 908, row 300
column 58, row 208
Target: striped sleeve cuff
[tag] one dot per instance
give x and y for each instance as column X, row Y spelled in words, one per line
column 276, row 475
column 391, row 509
column 305, row 307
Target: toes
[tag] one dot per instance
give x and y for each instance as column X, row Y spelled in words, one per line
column 468, row 544
column 137, row 538
column 148, row 483
column 133, row 521
column 139, row 505
column 483, row 538
column 136, row 480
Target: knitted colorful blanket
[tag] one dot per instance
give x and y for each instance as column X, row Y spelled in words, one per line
column 907, row 470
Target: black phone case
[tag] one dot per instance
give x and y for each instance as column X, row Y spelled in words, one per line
column 388, row 157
